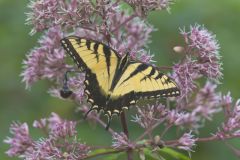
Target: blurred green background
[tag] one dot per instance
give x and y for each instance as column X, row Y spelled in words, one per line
column 18, row 104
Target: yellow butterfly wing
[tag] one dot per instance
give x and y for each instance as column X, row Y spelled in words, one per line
column 140, row 80
column 99, row 63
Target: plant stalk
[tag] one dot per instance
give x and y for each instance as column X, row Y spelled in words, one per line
column 125, row 130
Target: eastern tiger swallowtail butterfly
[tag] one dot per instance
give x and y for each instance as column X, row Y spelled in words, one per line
column 112, row 82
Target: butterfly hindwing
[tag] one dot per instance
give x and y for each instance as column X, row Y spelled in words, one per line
column 145, row 81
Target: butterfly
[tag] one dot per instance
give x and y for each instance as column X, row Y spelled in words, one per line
column 113, row 83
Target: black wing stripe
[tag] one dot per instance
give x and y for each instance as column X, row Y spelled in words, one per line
column 159, row 76
column 140, row 68
column 88, row 44
column 96, row 47
column 78, row 41
column 96, row 50
column 107, row 53
column 119, row 72
column 163, row 93
column 149, row 75
column 76, row 56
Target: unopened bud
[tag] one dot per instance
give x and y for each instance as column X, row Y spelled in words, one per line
column 178, row 49
column 157, row 139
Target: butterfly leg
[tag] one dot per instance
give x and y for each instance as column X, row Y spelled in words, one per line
column 109, row 119
column 86, row 114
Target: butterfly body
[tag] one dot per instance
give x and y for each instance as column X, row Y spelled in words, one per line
column 112, row 82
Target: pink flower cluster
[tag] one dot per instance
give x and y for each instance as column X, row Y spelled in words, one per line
column 142, row 7
column 186, row 142
column 47, row 60
column 201, row 60
column 120, row 140
column 60, row 140
column 20, row 141
column 232, row 123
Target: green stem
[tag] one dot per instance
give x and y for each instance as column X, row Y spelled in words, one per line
column 104, row 153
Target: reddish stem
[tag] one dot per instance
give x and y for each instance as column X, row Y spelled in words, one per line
column 125, row 130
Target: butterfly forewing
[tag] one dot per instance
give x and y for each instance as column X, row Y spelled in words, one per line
column 94, row 57
column 99, row 63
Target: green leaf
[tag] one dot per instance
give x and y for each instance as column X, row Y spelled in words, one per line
column 101, row 151
column 116, row 156
column 111, row 156
column 149, row 155
column 174, row 154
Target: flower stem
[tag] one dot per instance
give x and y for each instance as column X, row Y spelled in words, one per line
column 148, row 130
column 125, row 130
column 164, row 68
column 205, row 139
column 125, row 22
column 124, row 124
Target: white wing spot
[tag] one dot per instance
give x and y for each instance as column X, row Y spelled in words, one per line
column 87, row 82
column 95, row 107
column 109, row 112
column 116, row 111
column 90, row 100
column 87, row 91
column 124, row 107
column 132, row 102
